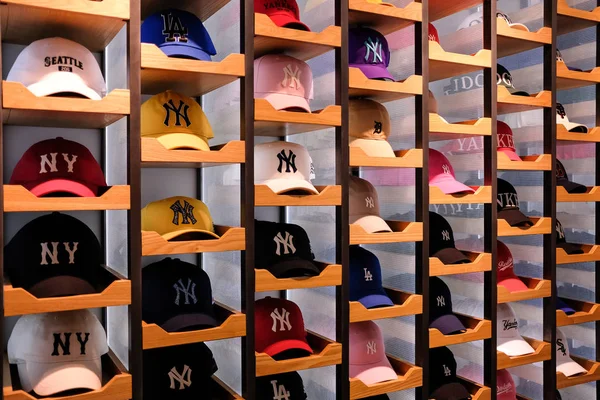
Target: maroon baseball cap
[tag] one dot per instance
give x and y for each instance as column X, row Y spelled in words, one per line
column 284, row 13
column 506, row 143
column 506, row 270
column 279, row 327
column 59, row 166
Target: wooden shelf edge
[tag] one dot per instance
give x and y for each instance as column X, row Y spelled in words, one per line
column 592, row 195
column 584, row 312
column 411, row 12
column 483, row 194
column 116, row 9
column 412, row 305
column 330, row 195
column 412, row 377
column 232, row 152
column 593, row 374
column 542, row 36
column 411, row 158
column 564, row 9
column 539, row 100
column 402, row 232
column 265, row 27
column 331, row 275
column 413, row 85
column 542, row 353
column 538, row 288
column 591, row 253
column 481, row 59
column 562, row 133
column 479, row 127
column 480, row 262
column 232, row 239
column 540, row 162
column 481, row 329
column 329, row 116
column 542, row 226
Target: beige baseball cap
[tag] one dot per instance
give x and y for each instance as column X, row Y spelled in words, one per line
column 364, row 206
column 370, row 126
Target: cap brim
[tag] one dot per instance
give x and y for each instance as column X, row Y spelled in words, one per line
column 376, row 300
column 451, row 391
column 448, row 324
column 294, row 268
column 62, row 285
column 374, row 71
column 374, row 148
column 516, row 92
column 571, row 187
column 51, row 378
column 185, row 321
column 370, row 374
column 182, row 50
column 372, row 224
column 285, row 345
column 515, row 217
column 63, row 82
column 513, row 284
column 63, row 186
column 570, row 248
column 282, row 101
column 451, row 186
column 521, row 27
column 510, row 154
column 285, row 20
column 176, row 234
column 513, row 347
column 570, row 368
column 279, row 186
column 381, row 3
column 451, row 255
column 174, row 141
column 574, row 127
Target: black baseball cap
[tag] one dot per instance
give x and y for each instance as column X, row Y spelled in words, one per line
column 55, row 255
column 177, row 296
column 284, row 250
column 440, row 309
column 281, row 386
column 562, row 179
column 505, row 79
column 441, row 241
column 561, row 241
column 179, row 372
column 558, row 396
column 508, row 205
column 379, row 397
column 444, row 385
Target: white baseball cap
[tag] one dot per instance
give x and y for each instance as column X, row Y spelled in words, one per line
column 477, row 18
column 510, row 341
column 563, row 119
column 56, row 65
column 284, row 167
column 58, row 351
column 564, row 362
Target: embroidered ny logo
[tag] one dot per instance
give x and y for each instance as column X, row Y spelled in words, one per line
column 286, row 242
column 371, row 347
column 289, row 160
column 186, row 211
column 378, row 128
column 447, row 371
column 370, row 202
column 446, row 169
column 184, row 379
column 44, row 161
column 173, row 29
column 279, row 392
column 368, row 275
column 70, row 248
column 441, row 301
column 180, row 112
column 291, row 77
column 65, row 345
column 283, row 318
column 374, row 48
column 188, row 291
column 445, row 235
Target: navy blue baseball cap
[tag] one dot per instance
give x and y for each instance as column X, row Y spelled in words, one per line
column 366, row 285
column 562, row 305
column 178, row 34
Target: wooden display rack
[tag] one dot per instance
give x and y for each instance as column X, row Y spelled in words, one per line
column 593, row 374
column 444, row 65
column 483, row 194
column 584, row 312
column 592, row 194
column 572, row 19
column 509, row 103
column 512, row 40
column 477, row 329
column 328, row 196
column 270, row 122
column 409, row 376
column 384, row 19
column 593, row 134
column 402, row 232
column 479, row 127
column 154, row 154
column 538, row 288
column 331, row 275
column 591, row 253
column 542, row 353
column 542, row 226
column 480, row 262
column 383, row 91
column 541, row 162
column 478, row 392
column 404, row 304
column 203, row 9
column 231, row 239
column 412, row 158
column 567, row 79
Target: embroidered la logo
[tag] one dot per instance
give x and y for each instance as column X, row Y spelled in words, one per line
column 561, row 347
column 186, row 211
column 289, row 160
column 441, row 301
column 368, row 275
column 184, row 379
column 70, row 248
column 374, row 50
column 65, row 344
column 369, row 202
column 279, row 392
column 377, row 128
column 181, row 112
column 189, row 291
column 447, row 371
column 173, row 29
column 286, row 242
column 283, row 317
column 291, row 77
column 371, row 347
column 445, row 235
column 52, row 162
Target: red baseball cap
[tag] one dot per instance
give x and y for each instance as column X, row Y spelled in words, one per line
column 441, row 175
column 505, row 386
column 433, row 34
column 279, row 327
column 284, row 13
column 506, row 271
column 506, row 143
column 59, row 166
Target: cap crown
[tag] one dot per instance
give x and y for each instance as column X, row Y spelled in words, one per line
column 441, row 235
column 366, row 343
column 433, row 34
column 504, row 77
column 276, row 320
column 367, row 46
column 505, row 137
column 281, row 160
column 279, row 242
column 440, row 299
column 171, row 112
column 281, row 74
column 477, row 18
column 440, row 168
column 57, row 338
column 277, row 7
column 363, row 198
column 365, row 274
column 508, row 324
column 505, row 386
column 560, row 232
column 369, row 120
column 507, row 198
column 561, row 114
column 176, row 213
column 505, row 262
column 58, row 159
column 561, row 172
column 562, row 347
column 281, row 386
column 442, row 367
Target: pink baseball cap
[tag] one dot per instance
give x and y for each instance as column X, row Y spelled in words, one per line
column 506, row 143
column 368, row 361
column 506, row 271
column 505, row 386
column 441, row 175
column 284, row 81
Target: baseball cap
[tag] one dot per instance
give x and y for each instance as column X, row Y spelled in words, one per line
column 562, row 179
column 69, row 263
column 58, row 66
column 477, row 18
column 370, row 126
column 563, row 119
column 285, row 386
column 179, row 218
column 444, row 384
column 563, row 306
column 364, row 206
column 561, row 241
column 279, row 328
column 506, row 270
column 178, row 372
column 368, row 361
column 441, row 175
column 59, row 166
column 366, row 285
column 177, row 296
column 506, row 143
column 283, row 167
column 284, row 81
column 558, row 395
column 178, row 34
column 505, row 79
column 381, row 2
column 508, row 205
column 564, row 362
column 441, row 316
column 505, row 386
column 283, row 13
column 433, row 33
column 510, row 341
column 559, row 58
column 283, row 249
column 369, row 52
column 441, row 241
column 58, row 351
column 176, row 121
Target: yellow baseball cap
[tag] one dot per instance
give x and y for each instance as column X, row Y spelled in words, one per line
column 381, row 2
column 369, row 128
column 177, row 216
column 176, row 121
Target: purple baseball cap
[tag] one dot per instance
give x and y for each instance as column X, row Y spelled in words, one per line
column 562, row 305
column 369, row 52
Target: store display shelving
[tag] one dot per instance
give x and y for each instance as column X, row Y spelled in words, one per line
column 383, row 91
column 480, row 262
column 154, row 154
column 591, row 253
column 537, row 288
column 409, row 376
column 584, row 312
column 411, row 158
column 477, row 329
column 562, row 133
column 483, row 194
column 542, row 353
column 328, row 196
column 404, row 304
column 401, row 232
column 331, row 275
column 383, row 18
column 593, row 374
column 270, row 122
column 231, row 239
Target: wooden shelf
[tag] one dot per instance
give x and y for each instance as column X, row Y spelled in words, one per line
column 19, row 199
column 541, row 162
column 383, row 19
column 203, row 9
column 513, row 41
column 21, row 107
column 154, row 154
column 444, row 64
column 117, row 292
column 233, row 324
column 402, row 232
column 409, row 376
column 117, row 387
column 92, row 24
column 571, row 19
column 331, row 275
column 584, row 312
column 591, row 253
column 442, row 130
column 480, row 262
column 404, row 304
column 483, row 194
column 538, row 288
column 412, row 158
column 231, row 239
column 477, row 391
column 542, row 226
column 477, row 329
column 270, row 122
column 382, row 91
column 567, row 79
column 328, row 196
column 223, row 392
column 270, row 38
column 508, row 103
column 190, row 77
column 591, row 195
column 439, row 9
column 562, row 133
column 326, row 352
column 542, row 353
column 593, row 374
